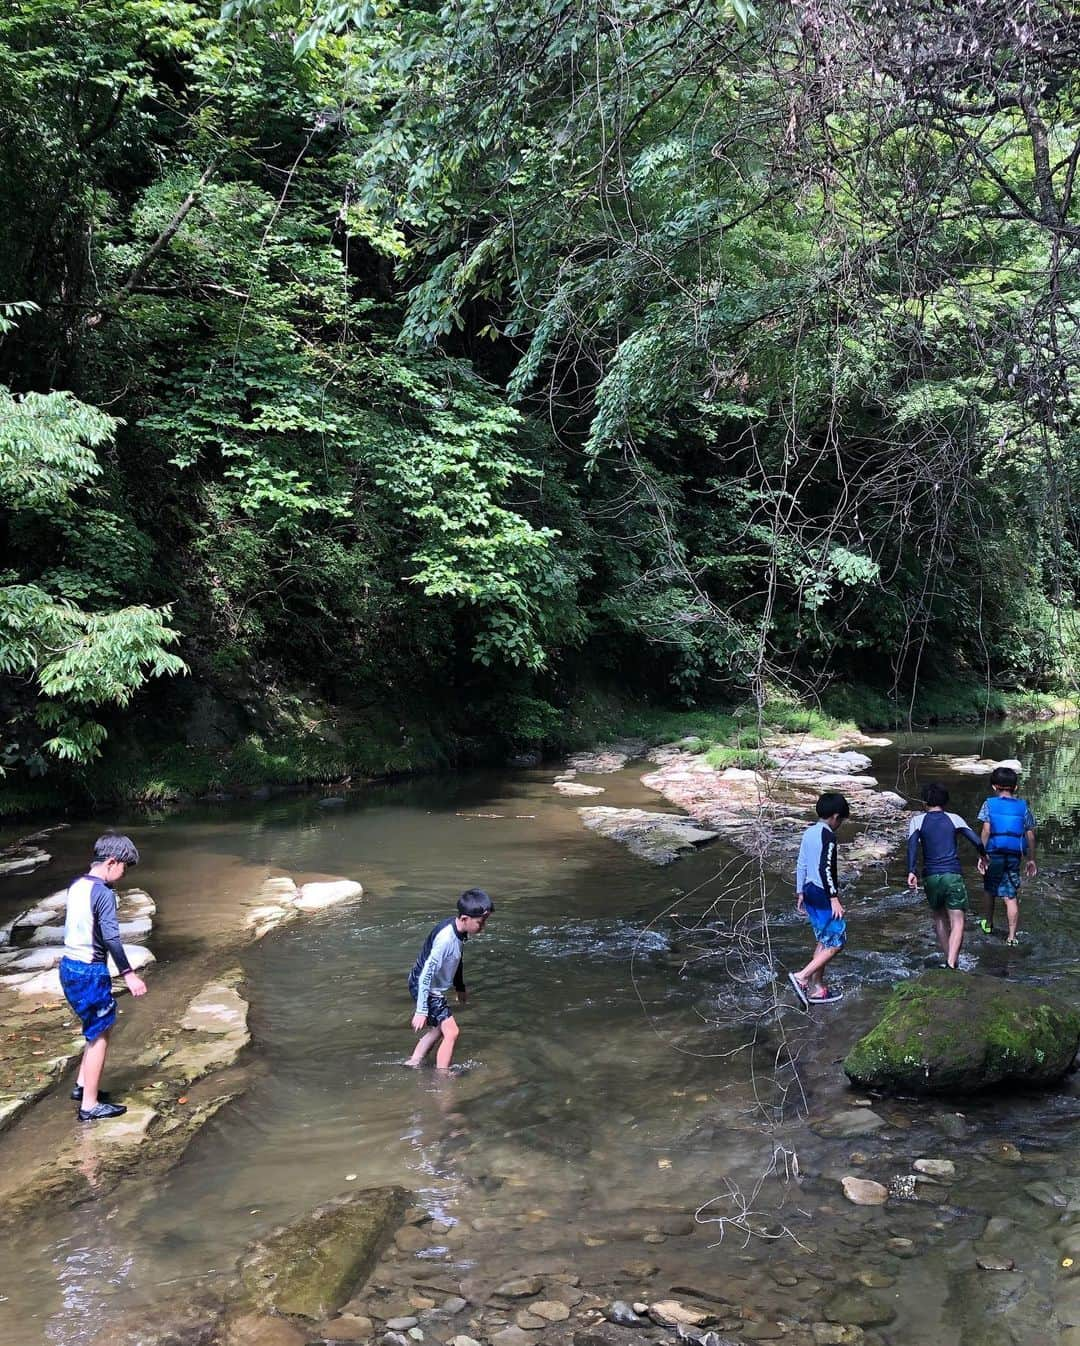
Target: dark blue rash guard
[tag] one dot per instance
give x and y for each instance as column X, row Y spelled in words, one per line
column 937, row 831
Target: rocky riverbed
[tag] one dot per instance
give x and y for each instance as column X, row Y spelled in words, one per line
column 761, row 812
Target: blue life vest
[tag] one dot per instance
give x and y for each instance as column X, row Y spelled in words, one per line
column 1007, row 825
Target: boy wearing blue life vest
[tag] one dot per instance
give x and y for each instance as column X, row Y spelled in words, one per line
column 1008, row 833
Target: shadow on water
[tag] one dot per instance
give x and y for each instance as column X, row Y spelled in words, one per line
column 628, row 1063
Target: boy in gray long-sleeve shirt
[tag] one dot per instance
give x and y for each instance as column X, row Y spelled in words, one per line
column 91, row 933
column 437, row 968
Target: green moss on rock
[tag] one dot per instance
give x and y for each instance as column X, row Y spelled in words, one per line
column 950, row 1033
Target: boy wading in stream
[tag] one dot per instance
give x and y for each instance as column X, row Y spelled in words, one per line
column 946, row 892
column 1008, row 832
column 817, row 892
column 437, row 968
column 91, row 933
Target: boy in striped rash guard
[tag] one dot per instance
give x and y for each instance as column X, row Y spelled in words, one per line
column 437, row 968
column 817, row 896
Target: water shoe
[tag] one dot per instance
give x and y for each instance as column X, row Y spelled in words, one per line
column 101, row 1111
column 799, row 989
column 831, row 994
column 1012, row 943
column 985, row 927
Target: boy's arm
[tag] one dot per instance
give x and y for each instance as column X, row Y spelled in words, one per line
column 459, row 980
column 828, row 872
column 912, row 852
column 103, row 907
column 969, row 835
column 1029, row 836
column 423, row 982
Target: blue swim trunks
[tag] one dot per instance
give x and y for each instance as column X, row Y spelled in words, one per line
column 1002, row 878
column 88, row 988
column 829, row 930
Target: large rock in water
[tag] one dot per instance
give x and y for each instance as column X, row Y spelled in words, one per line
column 312, row 1266
column 952, row 1033
column 659, row 838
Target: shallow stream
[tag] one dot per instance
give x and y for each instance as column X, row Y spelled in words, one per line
column 628, row 1084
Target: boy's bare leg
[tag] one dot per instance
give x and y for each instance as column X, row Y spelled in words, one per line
column 445, row 1053
column 810, row 976
column 956, row 938
column 941, row 929
column 1012, row 915
column 425, row 1045
column 93, row 1063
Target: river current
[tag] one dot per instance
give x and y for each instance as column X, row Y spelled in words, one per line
column 637, row 1087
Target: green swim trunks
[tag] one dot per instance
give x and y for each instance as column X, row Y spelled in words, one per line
column 945, row 890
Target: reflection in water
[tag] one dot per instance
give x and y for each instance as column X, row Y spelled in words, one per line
column 612, row 1090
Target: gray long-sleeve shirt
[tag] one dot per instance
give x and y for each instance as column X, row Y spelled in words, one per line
column 91, row 925
column 438, row 964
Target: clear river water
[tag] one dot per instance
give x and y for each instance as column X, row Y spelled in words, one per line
column 638, row 1090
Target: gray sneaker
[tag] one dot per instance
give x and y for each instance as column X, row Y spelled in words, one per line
column 100, row 1111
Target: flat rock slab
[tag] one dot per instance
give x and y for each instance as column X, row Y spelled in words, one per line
column 319, row 896
column 659, row 838
column 573, row 787
column 944, row 1170
column 864, row 1192
column 849, row 1122
column 218, row 1008
column 610, row 757
column 979, row 766
column 311, row 1267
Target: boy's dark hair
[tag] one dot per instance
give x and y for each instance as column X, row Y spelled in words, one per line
column 1004, row 776
column 475, row 902
column 831, row 803
column 935, row 794
column 113, row 846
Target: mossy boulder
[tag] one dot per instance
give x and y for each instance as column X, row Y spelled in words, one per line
column 953, row 1033
column 312, row 1266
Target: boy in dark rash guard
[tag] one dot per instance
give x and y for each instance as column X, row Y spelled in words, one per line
column 91, row 933
column 437, row 968
column 936, row 831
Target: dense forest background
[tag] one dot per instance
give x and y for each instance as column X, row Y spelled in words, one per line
column 393, row 376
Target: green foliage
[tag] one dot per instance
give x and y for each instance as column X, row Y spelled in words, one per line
column 459, row 356
column 71, row 660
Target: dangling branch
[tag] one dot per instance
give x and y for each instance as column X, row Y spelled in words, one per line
column 160, row 243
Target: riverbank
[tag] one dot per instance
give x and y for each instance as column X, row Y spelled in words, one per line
column 320, row 748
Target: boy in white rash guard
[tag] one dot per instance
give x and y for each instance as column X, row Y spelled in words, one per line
column 91, row 933
column 437, row 968
column 817, row 896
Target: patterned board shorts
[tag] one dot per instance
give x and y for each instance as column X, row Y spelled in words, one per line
column 830, row 930
column 88, row 988
column 1002, row 878
column 438, row 1011
column 945, row 892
